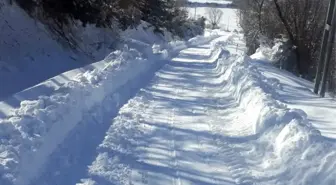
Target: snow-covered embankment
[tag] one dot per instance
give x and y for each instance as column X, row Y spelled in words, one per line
column 33, row 131
column 282, row 144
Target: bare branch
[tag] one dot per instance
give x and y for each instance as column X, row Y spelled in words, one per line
column 215, row 16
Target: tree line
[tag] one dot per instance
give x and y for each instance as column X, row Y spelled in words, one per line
column 60, row 15
column 299, row 24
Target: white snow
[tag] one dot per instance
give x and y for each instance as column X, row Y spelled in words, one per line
column 39, row 126
column 208, row 121
column 297, row 92
column 36, row 121
column 205, row 114
column 30, row 55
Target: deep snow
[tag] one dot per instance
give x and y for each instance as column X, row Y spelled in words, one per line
column 208, row 116
column 204, row 120
column 297, row 92
column 208, row 121
column 35, row 122
column 195, row 112
column 29, row 54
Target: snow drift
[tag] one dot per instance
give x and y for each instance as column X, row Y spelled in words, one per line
column 280, row 147
column 38, row 126
column 285, row 142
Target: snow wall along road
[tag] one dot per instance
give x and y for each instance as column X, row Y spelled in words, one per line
column 276, row 145
column 265, row 142
column 48, row 114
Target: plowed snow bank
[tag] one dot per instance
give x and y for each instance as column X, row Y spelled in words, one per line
column 286, row 147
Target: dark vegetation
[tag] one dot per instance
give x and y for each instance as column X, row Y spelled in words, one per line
column 298, row 24
column 61, row 15
column 214, row 5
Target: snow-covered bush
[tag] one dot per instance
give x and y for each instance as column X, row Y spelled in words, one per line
column 301, row 21
column 278, row 52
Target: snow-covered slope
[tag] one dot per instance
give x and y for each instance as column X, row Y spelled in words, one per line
column 273, row 142
column 30, row 55
column 297, row 92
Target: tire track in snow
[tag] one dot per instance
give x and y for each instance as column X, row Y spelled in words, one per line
column 209, row 124
column 206, row 157
column 229, row 152
column 164, row 143
column 237, row 165
column 143, row 173
column 176, row 179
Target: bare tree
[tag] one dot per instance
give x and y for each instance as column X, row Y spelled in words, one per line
column 215, row 15
column 289, row 32
column 300, row 21
column 258, row 19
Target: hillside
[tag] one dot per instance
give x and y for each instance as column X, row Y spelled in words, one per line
column 30, row 54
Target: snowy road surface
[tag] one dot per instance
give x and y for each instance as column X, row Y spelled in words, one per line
column 206, row 117
column 167, row 134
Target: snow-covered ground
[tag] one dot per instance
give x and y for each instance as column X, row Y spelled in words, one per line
column 195, row 112
column 36, row 121
column 210, row 115
column 297, row 93
column 30, row 54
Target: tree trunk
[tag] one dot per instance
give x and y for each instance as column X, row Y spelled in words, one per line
column 290, row 34
column 259, row 16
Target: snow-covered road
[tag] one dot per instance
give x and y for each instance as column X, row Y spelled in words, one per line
column 170, row 132
column 208, row 116
column 178, row 145
column 166, row 134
